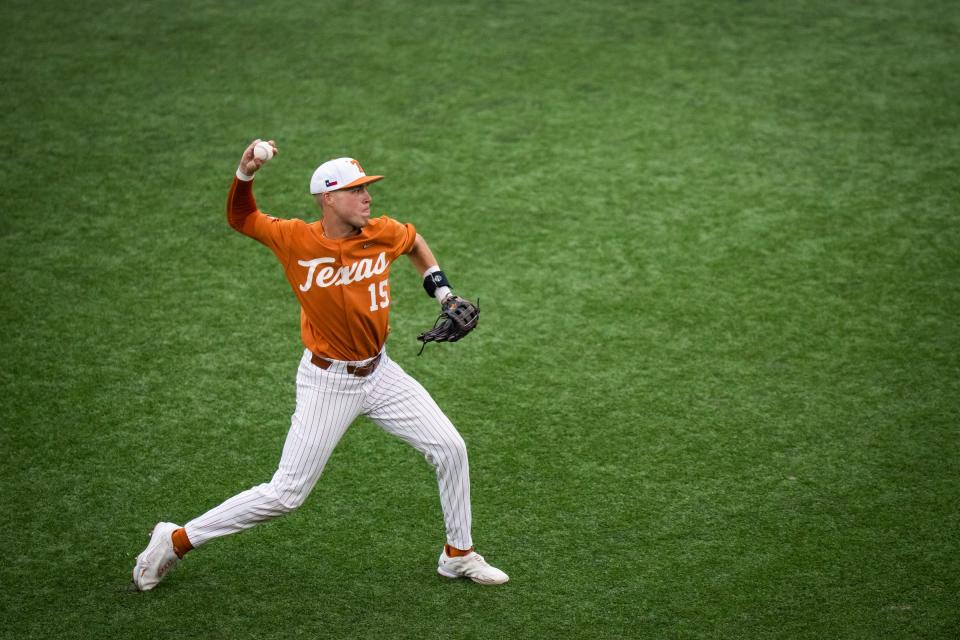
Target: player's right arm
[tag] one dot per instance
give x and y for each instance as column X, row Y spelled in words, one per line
column 242, row 212
column 240, row 200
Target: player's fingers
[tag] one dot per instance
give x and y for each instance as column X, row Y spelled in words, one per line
column 250, row 166
column 248, row 153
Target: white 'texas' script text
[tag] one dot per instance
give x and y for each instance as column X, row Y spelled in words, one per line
column 328, row 276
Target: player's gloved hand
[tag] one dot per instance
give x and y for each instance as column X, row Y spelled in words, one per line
column 249, row 163
column 457, row 318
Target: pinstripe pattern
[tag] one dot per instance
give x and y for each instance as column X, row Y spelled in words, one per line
column 328, row 401
column 402, row 407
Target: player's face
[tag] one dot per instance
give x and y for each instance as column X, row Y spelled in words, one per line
column 352, row 206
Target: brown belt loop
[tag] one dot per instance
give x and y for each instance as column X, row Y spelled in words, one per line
column 317, row 361
column 361, row 371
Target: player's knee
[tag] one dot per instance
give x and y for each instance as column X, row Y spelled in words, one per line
column 293, row 500
column 286, row 495
column 459, row 447
column 452, row 451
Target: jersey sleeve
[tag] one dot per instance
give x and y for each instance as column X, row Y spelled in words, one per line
column 402, row 235
column 244, row 216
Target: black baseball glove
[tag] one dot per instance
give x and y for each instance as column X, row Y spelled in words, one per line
column 458, row 318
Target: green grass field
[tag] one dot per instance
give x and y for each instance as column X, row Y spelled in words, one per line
column 716, row 388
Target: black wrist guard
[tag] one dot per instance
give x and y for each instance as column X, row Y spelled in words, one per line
column 434, row 281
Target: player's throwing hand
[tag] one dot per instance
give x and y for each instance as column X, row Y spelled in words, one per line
column 249, row 162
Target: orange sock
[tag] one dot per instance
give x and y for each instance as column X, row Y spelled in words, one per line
column 181, row 543
column 453, row 552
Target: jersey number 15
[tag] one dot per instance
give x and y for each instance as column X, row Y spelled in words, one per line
column 384, row 297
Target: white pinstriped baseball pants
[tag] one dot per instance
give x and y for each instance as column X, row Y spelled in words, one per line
column 328, row 401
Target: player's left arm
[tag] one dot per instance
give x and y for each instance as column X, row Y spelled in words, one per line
column 434, row 281
column 458, row 316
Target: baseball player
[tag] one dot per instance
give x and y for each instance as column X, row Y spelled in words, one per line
column 339, row 270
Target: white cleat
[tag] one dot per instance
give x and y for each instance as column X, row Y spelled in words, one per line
column 471, row 566
column 157, row 559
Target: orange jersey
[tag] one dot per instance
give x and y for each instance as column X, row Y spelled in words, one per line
column 343, row 286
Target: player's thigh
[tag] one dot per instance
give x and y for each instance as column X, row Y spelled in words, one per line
column 405, row 409
column 327, row 403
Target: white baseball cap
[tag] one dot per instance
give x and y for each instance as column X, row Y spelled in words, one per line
column 340, row 173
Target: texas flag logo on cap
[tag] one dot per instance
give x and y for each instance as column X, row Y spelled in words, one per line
column 340, row 173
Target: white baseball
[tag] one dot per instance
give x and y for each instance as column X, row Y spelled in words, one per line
column 263, row 151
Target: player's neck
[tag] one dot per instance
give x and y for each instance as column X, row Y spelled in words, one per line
column 337, row 229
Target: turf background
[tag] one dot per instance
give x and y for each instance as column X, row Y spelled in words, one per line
column 715, row 389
